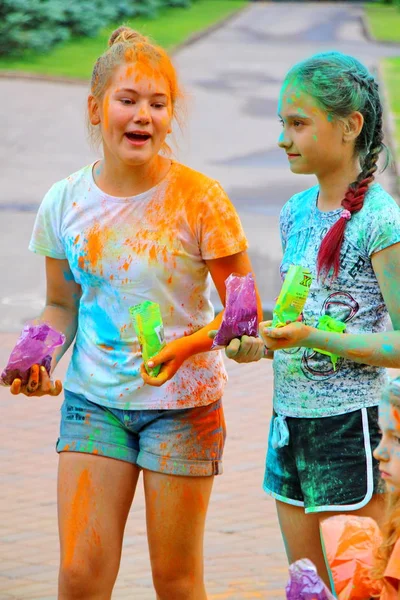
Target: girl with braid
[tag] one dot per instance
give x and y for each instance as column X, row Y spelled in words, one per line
column 330, row 368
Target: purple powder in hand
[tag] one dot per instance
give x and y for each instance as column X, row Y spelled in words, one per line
column 240, row 316
column 35, row 346
column 305, row 583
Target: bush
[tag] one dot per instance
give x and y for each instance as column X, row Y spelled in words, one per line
column 40, row 24
column 30, row 24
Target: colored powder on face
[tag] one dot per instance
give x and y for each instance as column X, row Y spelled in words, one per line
column 395, row 415
column 106, row 108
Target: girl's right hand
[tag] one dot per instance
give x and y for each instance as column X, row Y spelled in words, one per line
column 244, row 350
column 39, row 384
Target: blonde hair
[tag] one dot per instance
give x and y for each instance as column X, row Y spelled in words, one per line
column 129, row 46
column 391, row 528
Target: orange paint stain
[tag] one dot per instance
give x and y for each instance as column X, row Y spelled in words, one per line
column 106, row 109
column 105, row 347
column 78, row 518
column 76, row 240
column 153, row 254
column 395, row 414
column 94, row 245
column 127, row 263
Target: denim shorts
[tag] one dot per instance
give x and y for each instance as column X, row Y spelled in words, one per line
column 327, row 464
column 186, row 441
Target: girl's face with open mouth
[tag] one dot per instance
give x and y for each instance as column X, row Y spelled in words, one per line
column 135, row 114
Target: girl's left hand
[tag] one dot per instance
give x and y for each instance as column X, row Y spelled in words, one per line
column 292, row 335
column 171, row 358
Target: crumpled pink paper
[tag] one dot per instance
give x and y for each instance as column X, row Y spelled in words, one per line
column 350, row 544
column 35, row 346
column 240, row 316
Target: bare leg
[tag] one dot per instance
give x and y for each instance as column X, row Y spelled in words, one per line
column 301, row 532
column 94, row 497
column 176, row 509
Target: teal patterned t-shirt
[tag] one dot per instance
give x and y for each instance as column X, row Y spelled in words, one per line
column 306, row 384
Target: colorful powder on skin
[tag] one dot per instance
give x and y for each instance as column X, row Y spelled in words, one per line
column 78, row 519
column 106, row 108
column 395, row 415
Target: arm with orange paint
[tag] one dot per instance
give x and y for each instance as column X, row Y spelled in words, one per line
column 176, row 352
column 377, row 349
column 61, row 313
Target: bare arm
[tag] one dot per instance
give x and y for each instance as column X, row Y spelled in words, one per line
column 61, row 312
column 378, row 349
column 62, row 303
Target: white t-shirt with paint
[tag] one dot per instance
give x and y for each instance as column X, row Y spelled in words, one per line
column 123, row 251
column 306, row 384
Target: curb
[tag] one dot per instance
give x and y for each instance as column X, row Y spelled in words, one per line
column 390, row 132
column 369, row 35
column 192, row 39
column 199, row 35
column 366, row 28
column 5, row 74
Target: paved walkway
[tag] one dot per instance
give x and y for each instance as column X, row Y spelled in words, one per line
column 233, row 78
column 244, row 552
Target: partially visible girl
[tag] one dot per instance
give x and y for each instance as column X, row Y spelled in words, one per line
column 388, row 454
column 135, row 226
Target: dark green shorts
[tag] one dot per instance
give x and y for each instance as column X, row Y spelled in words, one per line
column 327, row 464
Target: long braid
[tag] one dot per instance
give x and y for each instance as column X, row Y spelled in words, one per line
column 329, row 252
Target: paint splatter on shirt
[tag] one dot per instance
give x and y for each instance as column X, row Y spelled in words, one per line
column 306, row 385
column 123, row 251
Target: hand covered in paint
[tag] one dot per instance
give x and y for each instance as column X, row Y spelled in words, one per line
column 39, row 384
column 292, row 335
column 244, row 350
column 171, row 358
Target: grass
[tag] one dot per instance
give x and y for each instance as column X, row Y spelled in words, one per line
column 173, row 26
column 391, row 72
column 384, row 21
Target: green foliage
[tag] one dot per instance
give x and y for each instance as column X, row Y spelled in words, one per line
column 40, row 24
column 31, row 24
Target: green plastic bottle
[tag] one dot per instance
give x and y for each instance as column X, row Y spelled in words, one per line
column 149, row 328
column 293, row 296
